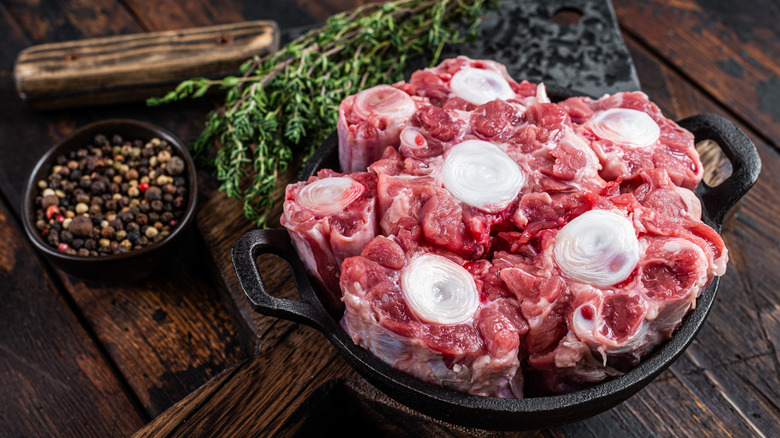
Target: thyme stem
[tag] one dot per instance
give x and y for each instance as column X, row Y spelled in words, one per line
column 285, row 104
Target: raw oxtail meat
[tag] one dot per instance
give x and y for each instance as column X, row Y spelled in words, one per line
column 369, row 121
column 604, row 290
column 501, row 241
column 455, row 201
column 434, row 316
column 463, row 83
column 629, row 133
column 330, row 217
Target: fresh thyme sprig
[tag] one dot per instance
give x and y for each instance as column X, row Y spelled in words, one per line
column 286, row 103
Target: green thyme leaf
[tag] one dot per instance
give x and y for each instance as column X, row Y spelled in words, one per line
column 279, row 108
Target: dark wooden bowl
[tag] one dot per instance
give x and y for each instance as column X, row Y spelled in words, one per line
column 487, row 412
column 114, row 268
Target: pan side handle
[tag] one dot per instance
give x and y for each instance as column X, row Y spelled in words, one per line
column 245, row 252
column 739, row 150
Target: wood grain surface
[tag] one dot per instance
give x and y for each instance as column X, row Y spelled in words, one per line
column 169, row 334
column 55, row 380
column 185, row 354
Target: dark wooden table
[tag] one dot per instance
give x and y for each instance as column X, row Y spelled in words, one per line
column 180, row 355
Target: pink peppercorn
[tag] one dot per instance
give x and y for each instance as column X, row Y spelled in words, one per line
column 51, row 211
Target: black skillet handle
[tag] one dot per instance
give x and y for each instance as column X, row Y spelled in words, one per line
column 245, row 252
column 740, row 151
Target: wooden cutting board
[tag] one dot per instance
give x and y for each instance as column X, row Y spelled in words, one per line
column 294, row 362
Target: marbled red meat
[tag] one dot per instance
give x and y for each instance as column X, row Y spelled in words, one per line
column 480, row 355
column 328, row 223
column 435, row 84
column 673, row 150
column 580, row 332
column 571, row 227
column 370, row 121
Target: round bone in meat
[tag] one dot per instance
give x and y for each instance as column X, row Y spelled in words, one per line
column 330, row 195
column 384, row 100
column 439, row 291
column 480, row 86
column 413, row 143
column 598, row 247
column 625, row 126
column 482, row 175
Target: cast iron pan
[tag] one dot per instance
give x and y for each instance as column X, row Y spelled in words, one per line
column 487, row 412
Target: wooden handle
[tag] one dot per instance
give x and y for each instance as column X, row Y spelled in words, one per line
column 130, row 68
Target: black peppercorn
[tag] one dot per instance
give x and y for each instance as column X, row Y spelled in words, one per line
column 153, row 193
column 107, row 232
column 100, row 196
column 80, row 226
column 175, row 166
column 49, row 200
column 125, row 216
column 66, row 236
column 133, row 236
column 97, row 187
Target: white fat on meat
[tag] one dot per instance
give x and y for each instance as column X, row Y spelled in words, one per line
column 598, row 247
column 369, row 122
column 481, row 175
column 478, row 86
column 541, row 94
column 625, row 126
column 330, row 195
column 439, row 291
column 384, row 100
column 588, row 323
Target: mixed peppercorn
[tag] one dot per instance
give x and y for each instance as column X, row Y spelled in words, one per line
column 112, row 197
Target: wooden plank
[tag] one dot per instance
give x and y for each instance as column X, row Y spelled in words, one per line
column 167, row 335
column 54, row 379
column 221, row 221
column 165, row 16
column 256, row 397
column 670, row 404
column 384, row 416
column 49, row 21
column 736, row 330
column 728, row 48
